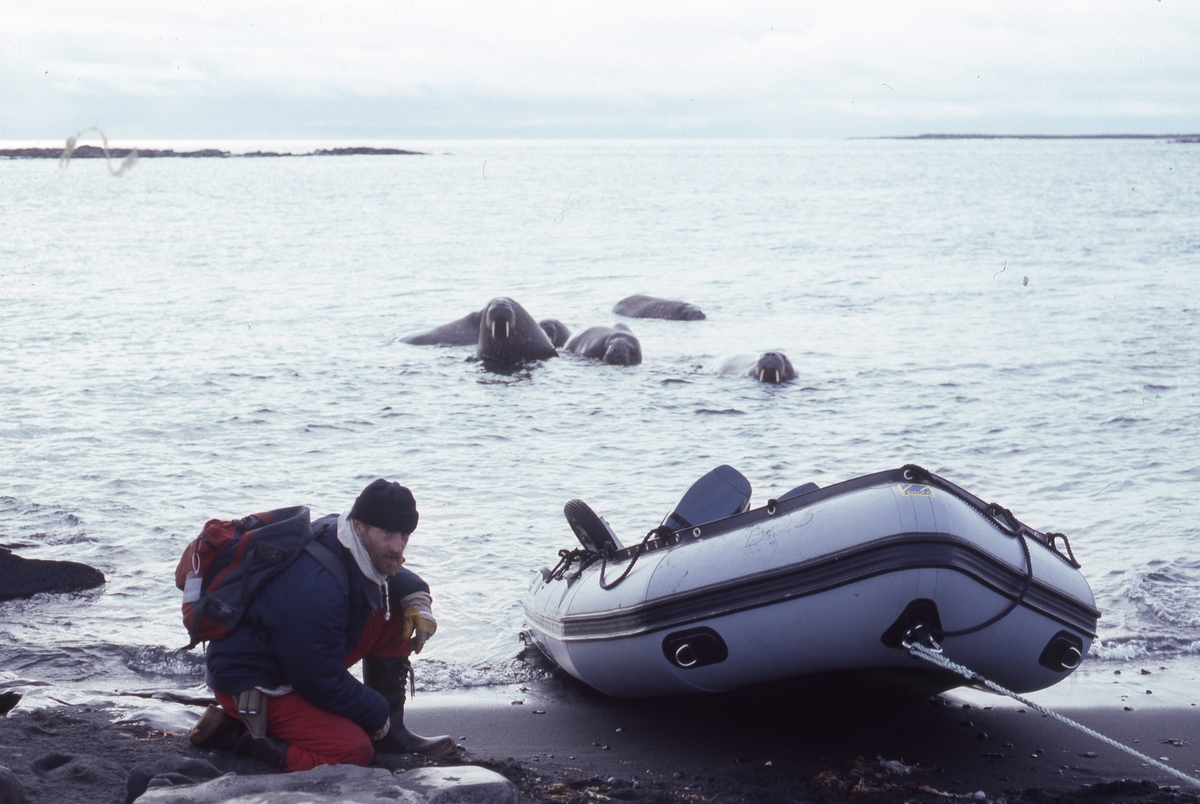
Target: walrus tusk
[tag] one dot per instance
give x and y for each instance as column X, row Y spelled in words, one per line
column 777, row 376
column 506, row 329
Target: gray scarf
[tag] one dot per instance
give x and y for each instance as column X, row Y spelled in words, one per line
column 349, row 539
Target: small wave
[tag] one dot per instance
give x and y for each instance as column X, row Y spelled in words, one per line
column 726, row 411
column 434, row 675
column 1124, row 649
column 159, row 661
column 1125, row 421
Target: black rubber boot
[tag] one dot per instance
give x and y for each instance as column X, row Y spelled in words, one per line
column 387, row 677
column 271, row 750
column 217, row 729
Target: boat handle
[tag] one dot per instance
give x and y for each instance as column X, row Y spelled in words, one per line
column 685, row 656
column 1071, row 658
column 696, row 533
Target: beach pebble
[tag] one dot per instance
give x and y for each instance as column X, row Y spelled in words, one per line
column 1149, row 692
column 1129, row 709
column 1145, row 672
column 518, row 703
column 979, row 796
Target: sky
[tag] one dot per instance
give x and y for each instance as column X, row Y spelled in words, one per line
column 372, row 70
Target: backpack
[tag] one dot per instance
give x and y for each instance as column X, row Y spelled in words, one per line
column 223, row 568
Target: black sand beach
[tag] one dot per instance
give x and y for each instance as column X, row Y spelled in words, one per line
column 562, row 743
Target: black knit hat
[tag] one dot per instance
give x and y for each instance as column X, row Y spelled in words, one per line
column 387, row 506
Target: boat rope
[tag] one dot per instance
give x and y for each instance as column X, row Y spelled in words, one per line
column 994, row 512
column 661, row 531
column 934, row 657
column 568, row 557
column 1012, row 604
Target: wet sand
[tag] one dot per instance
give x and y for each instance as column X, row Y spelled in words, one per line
column 561, row 742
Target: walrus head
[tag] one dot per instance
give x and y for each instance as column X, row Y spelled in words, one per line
column 623, row 350
column 499, row 319
column 690, row 312
column 773, row 367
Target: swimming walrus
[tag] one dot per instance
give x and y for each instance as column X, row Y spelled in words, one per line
column 555, row 330
column 771, row 367
column 615, row 345
column 508, row 334
column 463, row 332
column 640, row 306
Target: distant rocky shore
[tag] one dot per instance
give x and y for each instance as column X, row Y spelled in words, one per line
column 1189, row 138
column 95, row 152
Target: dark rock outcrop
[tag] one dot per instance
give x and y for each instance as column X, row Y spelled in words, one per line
column 23, row 577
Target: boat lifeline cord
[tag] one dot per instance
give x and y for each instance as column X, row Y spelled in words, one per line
column 661, row 531
column 933, row 655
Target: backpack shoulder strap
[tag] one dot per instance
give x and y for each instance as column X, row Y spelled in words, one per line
column 329, row 560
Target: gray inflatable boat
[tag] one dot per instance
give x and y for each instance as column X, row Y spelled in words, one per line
column 821, row 580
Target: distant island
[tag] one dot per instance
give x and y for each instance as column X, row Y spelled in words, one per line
column 1169, row 137
column 95, row 152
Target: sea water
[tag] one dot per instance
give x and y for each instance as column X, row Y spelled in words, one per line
column 207, row 338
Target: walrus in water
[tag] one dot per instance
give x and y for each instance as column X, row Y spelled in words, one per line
column 463, row 332
column 615, row 345
column 508, row 334
column 555, row 330
column 772, row 367
column 639, row 306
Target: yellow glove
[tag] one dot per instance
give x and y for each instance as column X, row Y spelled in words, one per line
column 379, row 735
column 419, row 624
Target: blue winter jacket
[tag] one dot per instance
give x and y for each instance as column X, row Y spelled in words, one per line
column 299, row 630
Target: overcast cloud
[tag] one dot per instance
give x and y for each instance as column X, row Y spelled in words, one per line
column 375, row 70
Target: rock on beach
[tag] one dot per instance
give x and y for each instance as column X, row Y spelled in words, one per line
column 25, row 577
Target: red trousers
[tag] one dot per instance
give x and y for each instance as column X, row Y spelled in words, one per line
column 317, row 737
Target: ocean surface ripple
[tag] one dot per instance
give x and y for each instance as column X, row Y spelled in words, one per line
column 208, row 338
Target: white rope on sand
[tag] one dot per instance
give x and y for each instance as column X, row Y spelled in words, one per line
column 941, row 661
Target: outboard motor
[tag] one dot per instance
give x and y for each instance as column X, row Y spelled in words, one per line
column 721, row 493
